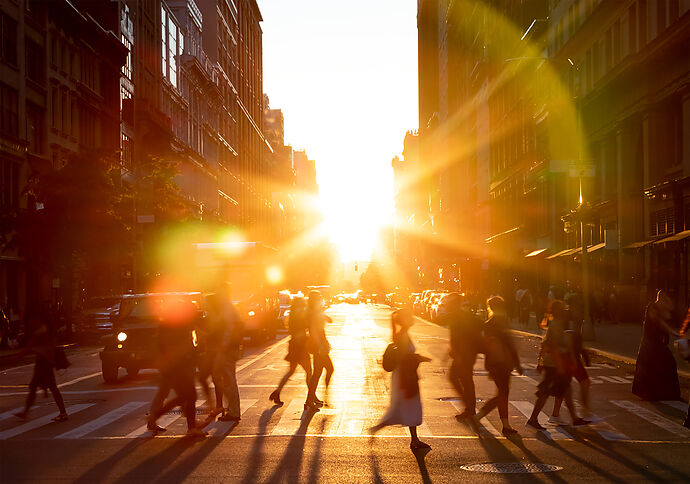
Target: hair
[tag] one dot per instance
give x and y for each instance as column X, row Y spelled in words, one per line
column 496, row 305
column 396, row 318
column 555, row 310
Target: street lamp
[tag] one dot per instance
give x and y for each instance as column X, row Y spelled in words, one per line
column 583, row 215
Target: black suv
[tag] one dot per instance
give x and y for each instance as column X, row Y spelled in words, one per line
column 133, row 345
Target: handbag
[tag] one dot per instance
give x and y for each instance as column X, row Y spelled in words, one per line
column 61, row 361
column 390, row 357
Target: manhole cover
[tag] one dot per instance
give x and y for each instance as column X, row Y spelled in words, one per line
column 511, row 468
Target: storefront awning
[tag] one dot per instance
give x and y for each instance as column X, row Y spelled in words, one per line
column 679, row 236
column 535, row 253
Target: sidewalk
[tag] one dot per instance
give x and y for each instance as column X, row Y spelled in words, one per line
column 615, row 341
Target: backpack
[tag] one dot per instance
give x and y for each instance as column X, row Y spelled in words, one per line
column 390, row 357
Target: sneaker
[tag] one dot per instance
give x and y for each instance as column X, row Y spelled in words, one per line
column 154, row 427
column 557, row 420
column 534, row 425
column 593, row 419
column 580, row 422
column 464, row 415
column 60, row 418
column 22, row 415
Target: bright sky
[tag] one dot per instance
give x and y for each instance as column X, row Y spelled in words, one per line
column 345, row 76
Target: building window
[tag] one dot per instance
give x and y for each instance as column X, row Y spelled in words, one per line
column 9, row 185
column 34, row 129
column 127, row 153
column 9, row 109
column 8, row 37
column 171, row 47
column 34, row 61
column 662, row 222
column 127, row 68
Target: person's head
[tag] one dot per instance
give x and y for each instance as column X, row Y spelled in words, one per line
column 401, row 320
column 297, row 304
column 664, row 304
column 315, row 302
column 556, row 310
column 496, row 306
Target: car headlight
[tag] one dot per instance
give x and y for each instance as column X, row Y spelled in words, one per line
column 251, row 313
column 287, row 313
column 121, row 336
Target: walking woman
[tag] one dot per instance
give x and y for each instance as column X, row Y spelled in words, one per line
column 43, row 345
column 317, row 319
column 556, row 363
column 501, row 359
column 298, row 353
column 406, row 402
column 656, row 374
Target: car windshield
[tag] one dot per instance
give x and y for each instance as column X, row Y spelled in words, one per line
column 169, row 308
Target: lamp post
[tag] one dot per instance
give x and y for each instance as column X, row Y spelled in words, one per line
column 583, row 216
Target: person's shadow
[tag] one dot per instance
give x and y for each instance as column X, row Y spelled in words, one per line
column 420, row 455
column 289, row 466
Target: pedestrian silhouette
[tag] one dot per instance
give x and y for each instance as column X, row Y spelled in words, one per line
column 320, row 347
column 298, row 353
column 406, row 402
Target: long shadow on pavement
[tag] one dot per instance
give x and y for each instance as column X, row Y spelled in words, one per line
column 315, row 464
column 185, row 467
column 100, row 471
column 254, row 460
column 497, row 452
column 419, row 455
column 291, row 462
column 606, row 448
column 375, row 468
column 553, row 444
column 152, row 467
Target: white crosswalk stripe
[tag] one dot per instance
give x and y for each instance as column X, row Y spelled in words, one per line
column 651, row 417
column 677, row 404
column 222, row 428
column 555, row 433
column 164, row 421
column 10, row 413
column 291, row 419
column 485, row 425
column 41, row 421
column 101, row 421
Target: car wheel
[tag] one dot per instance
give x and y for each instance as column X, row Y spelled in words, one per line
column 109, row 370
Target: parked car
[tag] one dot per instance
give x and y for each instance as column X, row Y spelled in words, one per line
column 417, row 306
column 442, row 307
column 12, row 330
column 133, row 343
column 285, row 300
column 260, row 316
column 95, row 319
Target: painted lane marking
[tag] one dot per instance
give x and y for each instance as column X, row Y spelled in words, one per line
column 101, row 421
column 677, row 404
column 10, row 413
column 40, row 422
column 488, row 428
column 261, row 355
column 651, row 417
column 291, row 419
column 164, row 421
column 556, row 433
column 221, row 428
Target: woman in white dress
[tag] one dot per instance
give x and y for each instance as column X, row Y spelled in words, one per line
column 406, row 402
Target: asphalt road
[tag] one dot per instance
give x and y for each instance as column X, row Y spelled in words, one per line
column 103, row 441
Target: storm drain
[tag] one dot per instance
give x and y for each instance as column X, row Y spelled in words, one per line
column 511, row 468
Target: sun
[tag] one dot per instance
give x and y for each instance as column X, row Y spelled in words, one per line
column 354, row 217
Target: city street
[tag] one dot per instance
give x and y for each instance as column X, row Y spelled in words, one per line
column 105, row 438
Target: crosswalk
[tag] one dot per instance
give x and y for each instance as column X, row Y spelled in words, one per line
column 627, row 421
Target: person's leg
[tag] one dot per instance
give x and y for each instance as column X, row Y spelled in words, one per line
column 557, row 402
column 286, row 377
column 454, row 377
column 315, row 377
column 467, row 382
column 232, row 392
column 57, row 396
column 687, row 418
column 328, row 365
column 415, row 443
column 306, row 365
column 164, row 387
column 503, row 384
column 413, row 434
column 30, row 399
